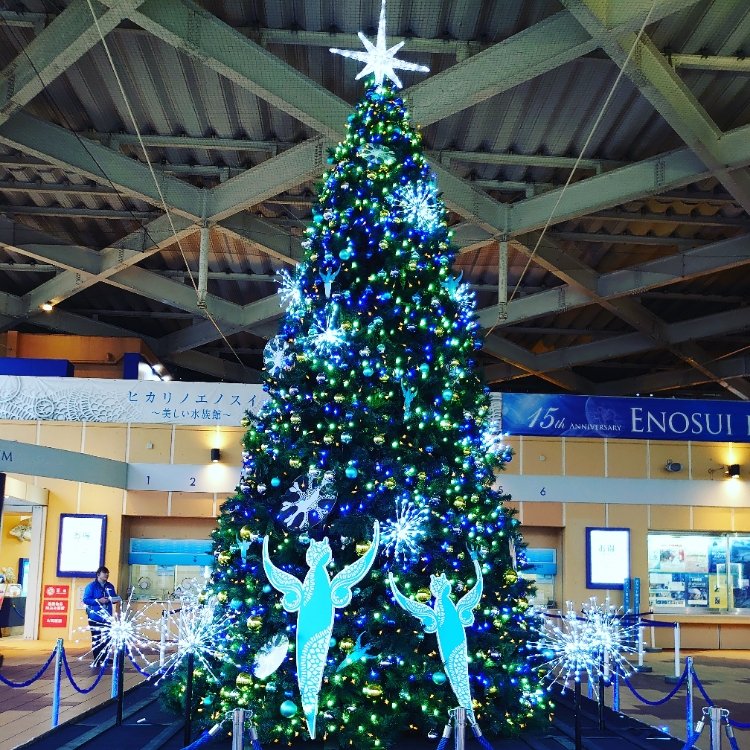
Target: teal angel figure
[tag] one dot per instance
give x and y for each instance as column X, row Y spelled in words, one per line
column 316, row 598
column 448, row 620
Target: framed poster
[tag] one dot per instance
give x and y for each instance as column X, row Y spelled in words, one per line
column 607, row 557
column 80, row 548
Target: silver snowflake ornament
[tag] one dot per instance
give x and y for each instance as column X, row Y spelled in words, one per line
column 376, row 155
column 308, row 501
column 290, row 294
column 276, row 356
column 325, row 334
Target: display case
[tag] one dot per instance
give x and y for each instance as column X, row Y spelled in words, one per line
column 694, row 572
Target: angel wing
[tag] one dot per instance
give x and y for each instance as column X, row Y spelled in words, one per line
column 425, row 614
column 282, row 581
column 466, row 604
column 351, row 575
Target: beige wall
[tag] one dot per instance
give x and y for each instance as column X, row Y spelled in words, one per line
column 551, row 523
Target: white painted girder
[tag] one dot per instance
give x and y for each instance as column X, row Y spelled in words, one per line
column 67, row 150
column 55, row 49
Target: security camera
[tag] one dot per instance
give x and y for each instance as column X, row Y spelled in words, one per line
column 673, row 465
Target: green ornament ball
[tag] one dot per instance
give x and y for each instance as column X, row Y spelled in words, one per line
column 288, row 709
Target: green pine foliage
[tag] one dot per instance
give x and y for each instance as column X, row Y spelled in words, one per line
column 375, row 398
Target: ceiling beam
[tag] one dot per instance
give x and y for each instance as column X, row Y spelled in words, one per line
column 641, row 179
column 130, row 177
column 68, row 38
column 658, row 82
column 728, row 369
column 67, row 212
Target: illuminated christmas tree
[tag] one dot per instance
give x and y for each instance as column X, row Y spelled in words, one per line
column 367, row 566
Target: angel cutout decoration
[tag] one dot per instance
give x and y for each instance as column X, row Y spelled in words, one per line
column 316, row 598
column 328, row 277
column 448, row 620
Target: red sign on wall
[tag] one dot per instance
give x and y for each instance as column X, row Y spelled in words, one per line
column 56, row 591
column 54, row 621
column 54, row 605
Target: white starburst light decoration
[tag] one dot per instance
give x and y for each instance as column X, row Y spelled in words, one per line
column 200, row 631
column 401, row 536
column 566, row 645
column 593, row 643
column 418, row 205
column 327, row 335
column 290, row 294
column 276, row 356
column 378, row 58
column 127, row 630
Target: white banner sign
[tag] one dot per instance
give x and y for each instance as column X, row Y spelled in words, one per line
column 120, row 401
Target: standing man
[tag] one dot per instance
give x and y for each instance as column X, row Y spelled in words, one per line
column 99, row 598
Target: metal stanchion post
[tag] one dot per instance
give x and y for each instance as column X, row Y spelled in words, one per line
column 238, row 729
column 689, row 717
column 56, row 683
column 459, row 740
column 715, row 719
column 641, row 650
column 602, row 666
column 677, row 672
column 163, row 637
column 616, row 692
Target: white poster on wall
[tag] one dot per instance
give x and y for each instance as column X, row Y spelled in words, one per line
column 607, row 558
column 123, row 401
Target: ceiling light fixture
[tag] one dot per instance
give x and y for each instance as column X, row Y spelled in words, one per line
column 47, row 306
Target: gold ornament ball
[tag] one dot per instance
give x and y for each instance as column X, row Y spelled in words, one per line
column 423, row 595
column 439, row 331
column 339, row 398
column 379, row 439
column 295, row 463
column 327, row 438
column 459, row 503
column 295, row 419
column 498, row 623
column 244, row 679
column 254, row 622
column 346, row 644
column 246, row 533
column 372, row 691
column 511, row 576
column 390, row 483
column 422, row 476
column 362, row 547
column 221, row 597
column 223, row 558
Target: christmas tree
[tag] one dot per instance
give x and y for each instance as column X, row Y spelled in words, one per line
column 366, row 563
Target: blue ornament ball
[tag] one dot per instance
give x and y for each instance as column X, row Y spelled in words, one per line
column 288, row 709
column 275, row 481
column 332, row 642
column 351, row 472
column 367, row 372
column 266, row 589
column 439, row 678
column 447, row 395
column 345, row 254
column 235, row 604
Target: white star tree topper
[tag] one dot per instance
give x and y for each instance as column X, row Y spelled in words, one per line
column 378, row 58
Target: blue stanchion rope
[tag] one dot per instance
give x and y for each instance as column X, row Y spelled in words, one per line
column 659, row 702
column 483, row 741
column 12, row 684
column 700, row 687
column 143, row 671
column 202, row 740
column 732, row 739
column 444, row 739
column 690, row 741
column 738, row 724
column 658, row 624
column 75, row 685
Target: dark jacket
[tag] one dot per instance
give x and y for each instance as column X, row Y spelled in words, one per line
column 94, row 591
